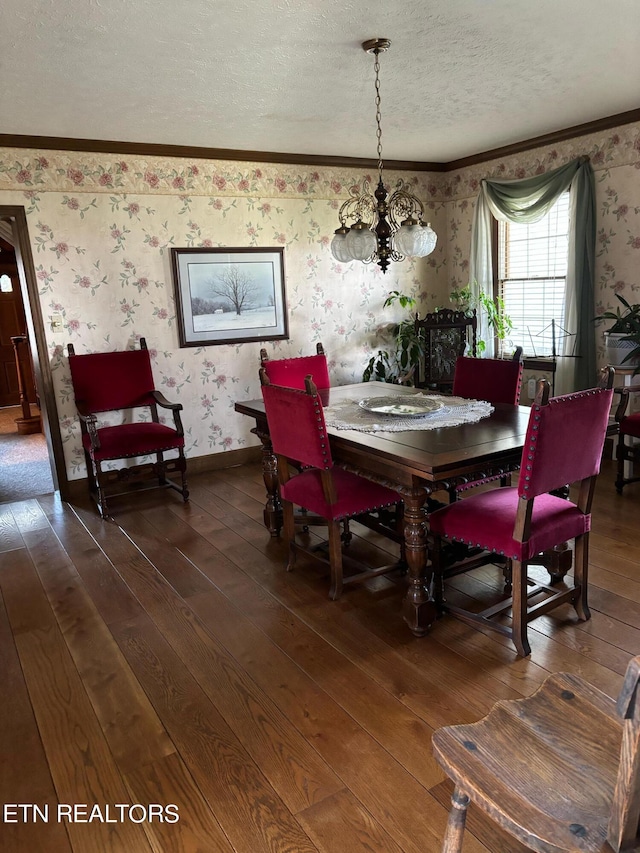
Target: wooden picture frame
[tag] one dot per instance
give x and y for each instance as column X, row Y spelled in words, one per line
column 229, row 296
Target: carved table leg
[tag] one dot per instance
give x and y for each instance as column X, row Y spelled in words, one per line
column 419, row 608
column 273, row 509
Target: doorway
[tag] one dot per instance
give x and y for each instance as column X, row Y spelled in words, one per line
column 32, row 462
column 13, row 323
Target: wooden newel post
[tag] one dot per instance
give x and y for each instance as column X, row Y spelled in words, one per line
column 28, row 423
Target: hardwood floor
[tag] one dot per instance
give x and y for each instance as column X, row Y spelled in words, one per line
column 170, row 659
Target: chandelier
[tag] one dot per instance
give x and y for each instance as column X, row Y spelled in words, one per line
column 374, row 227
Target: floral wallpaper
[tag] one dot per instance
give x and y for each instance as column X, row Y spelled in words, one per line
column 101, row 228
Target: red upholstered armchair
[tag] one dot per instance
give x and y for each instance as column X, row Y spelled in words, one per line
column 117, row 381
column 563, row 445
column 298, row 435
column 291, row 372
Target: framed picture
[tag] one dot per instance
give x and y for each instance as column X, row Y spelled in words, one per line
column 229, row 296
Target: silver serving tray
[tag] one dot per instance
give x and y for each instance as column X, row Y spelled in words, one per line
column 401, row 406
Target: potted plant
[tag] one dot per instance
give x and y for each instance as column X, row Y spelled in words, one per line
column 398, row 363
column 622, row 338
column 497, row 320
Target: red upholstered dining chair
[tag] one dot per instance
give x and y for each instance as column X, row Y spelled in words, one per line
column 298, row 435
column 291, row 372
column 121, row 381
column 628, row 449
column 559, row 771
column 563, row 444
column 496, row 380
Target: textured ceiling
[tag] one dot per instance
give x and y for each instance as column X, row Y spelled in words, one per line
column 461, row 77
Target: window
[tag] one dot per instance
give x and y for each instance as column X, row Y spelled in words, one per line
column 5, row 284
column 532, row 268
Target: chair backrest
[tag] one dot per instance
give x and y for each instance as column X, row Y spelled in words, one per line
column 565, row 437
column 445, row 335
column 625, row 808
column 496, row 380
column 291, row 372
column 107, row 381
column 296, row 424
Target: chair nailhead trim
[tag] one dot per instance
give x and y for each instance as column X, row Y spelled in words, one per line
column 375, row 506
column 321, row 429
column 474, row 544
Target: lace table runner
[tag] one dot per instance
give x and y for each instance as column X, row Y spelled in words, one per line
column 455, row 411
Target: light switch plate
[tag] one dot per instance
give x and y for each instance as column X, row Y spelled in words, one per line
column 56, row 323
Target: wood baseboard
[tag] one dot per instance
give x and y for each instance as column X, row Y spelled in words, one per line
column 196, row 465
column 229, row 459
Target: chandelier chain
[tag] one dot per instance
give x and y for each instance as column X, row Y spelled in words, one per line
column 383, row 225
column 378, row 112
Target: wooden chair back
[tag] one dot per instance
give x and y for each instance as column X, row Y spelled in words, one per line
column 625, row 807
column 559, row 770
column 445, row 336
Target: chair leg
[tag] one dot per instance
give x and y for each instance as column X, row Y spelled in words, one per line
column 581, row 577
column 289, row 529
column 621, row 456
column 519, row 608
column 100, row 494
column 162, row 479
column 455, row 825
column 506, row 574
column 335, row 560
column 183, row 475
column 91, row 477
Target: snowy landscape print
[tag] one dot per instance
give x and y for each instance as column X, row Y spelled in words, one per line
column 227, row 296
column 232, row 296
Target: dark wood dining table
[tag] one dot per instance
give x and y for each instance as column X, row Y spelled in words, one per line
column 416, row 462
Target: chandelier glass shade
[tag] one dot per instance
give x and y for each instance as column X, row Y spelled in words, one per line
column 377, row 226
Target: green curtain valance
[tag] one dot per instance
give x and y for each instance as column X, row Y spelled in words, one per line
column 527, row 201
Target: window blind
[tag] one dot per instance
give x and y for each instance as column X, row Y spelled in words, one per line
column 532, row 269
